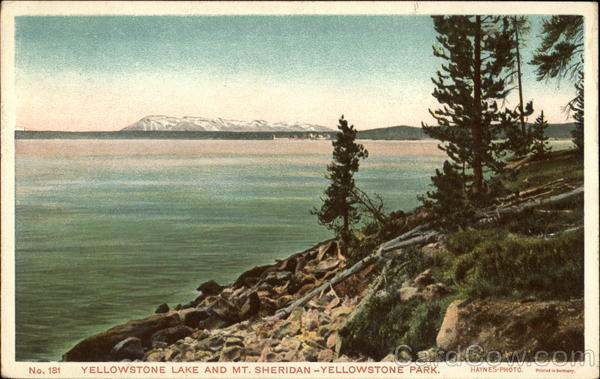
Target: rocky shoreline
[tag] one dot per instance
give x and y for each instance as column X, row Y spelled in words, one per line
column 244, row 321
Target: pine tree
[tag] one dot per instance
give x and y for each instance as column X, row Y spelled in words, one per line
column 338, row 211
column 449, row 201
column 576, row 105
column 518, row 139
column 559, row 56
column 519, row 27
column 477, row 51
column 539, row 145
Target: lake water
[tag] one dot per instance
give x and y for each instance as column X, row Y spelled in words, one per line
column 106, row 230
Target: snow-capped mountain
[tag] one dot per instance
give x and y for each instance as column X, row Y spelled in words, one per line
column 200, row 124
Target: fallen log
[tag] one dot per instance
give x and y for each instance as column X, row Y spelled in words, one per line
column 491, row 215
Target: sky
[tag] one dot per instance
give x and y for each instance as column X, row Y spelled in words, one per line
column 83, row 73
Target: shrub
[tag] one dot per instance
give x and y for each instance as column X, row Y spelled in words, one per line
column 524, row 267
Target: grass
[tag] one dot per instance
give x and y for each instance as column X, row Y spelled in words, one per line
column 504, row 265
column 560, row 164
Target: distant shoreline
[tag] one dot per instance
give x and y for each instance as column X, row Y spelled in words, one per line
column 203, row 135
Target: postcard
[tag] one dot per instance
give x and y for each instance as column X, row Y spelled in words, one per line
column 299, row 189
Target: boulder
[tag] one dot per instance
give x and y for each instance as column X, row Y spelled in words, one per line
column 389, row 358
column 129, row 348
column 250, row 307
column 310, row 319
column 328, row 249
column 424, row 279
column 252, row 275
column 325, row 355
column 225, row 310
column 327, row 265
column 193, row 318
column 97, row 348
column 210, row 288
column 448, row 335
column 232, row 353
column 172, row 334
column 277, row 278
column 508, row 327
column 163, row 308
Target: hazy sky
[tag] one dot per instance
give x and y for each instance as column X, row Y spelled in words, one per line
column 106, row 72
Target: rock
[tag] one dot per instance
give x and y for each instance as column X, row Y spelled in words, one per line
column 252, row 275
column 329, row 249
column 277, row 278
column 213, row 322
column 178, row 307
column 389, row 358
column 225, row 310
column 287, row 328
column 287, row 265
column 163, row 308
column 325, row 355
column 448, row 334
column 193, row 318
column 509, row 327
column 231, row 354
column 331, row 340
column 170, row 335
column 424, row 279
column 129, row 348
column 327, row 265
column 300, row 264
column 343, row 358
column 170, row 354
column 434, row 292
column 407, row 293
column 251, row 307
column 155, row 356
column 210, row 288
column 310, row 353
column 310, row 319
column 97, row 348
column 341, row 311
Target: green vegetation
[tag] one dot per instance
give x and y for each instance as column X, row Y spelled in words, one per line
column 385, row 322
column 499, row 264
column 338, row 211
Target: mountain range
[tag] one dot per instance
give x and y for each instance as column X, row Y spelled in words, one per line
column 201, row 124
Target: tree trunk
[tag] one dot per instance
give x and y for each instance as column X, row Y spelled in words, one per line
column 477, row 119
column 521, row 112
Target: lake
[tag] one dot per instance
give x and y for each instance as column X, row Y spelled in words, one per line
column 106, row 230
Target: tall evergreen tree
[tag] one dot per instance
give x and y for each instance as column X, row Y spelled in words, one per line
column 338, row 211
column 539, row 145
column 559, row 56
column 477, row 51
column 519, row 27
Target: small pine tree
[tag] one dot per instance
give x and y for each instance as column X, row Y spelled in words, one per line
column 576, row 107
column 518, row 138
column 539, row 145
column 450, row 200
column 338, row 211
